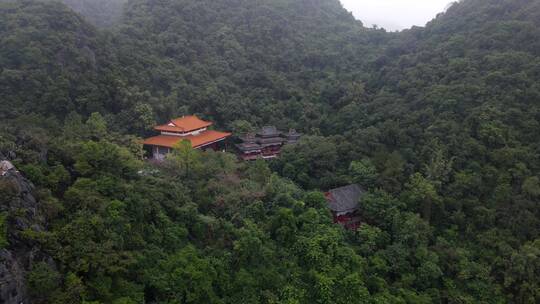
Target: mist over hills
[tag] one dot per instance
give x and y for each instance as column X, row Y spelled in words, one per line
column 440, row 126
column 101, row 13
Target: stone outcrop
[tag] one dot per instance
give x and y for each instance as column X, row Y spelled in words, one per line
column 5, row 167
column 19, row 211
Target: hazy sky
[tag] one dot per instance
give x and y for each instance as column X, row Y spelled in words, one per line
column 395, row 14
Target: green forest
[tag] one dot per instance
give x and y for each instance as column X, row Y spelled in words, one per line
column 439, row 124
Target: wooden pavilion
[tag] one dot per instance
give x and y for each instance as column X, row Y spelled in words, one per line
column 266, row 143
column 344, row 204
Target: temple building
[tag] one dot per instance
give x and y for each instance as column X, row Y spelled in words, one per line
column 266, row 143
column 344, row 204
column 189, row 128
column 292, row 136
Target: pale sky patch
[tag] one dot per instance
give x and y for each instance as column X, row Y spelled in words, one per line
column 395, row 14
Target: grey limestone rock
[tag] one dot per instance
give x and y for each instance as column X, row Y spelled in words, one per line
column 19, row 205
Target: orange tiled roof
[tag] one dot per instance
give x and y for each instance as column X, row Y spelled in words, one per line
column 163, row 140
column 168, row 128
column 185, row 124
column 197, row 141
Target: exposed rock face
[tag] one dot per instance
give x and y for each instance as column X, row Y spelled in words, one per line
column 5, row 167
column 13, row 289
column 20, row 209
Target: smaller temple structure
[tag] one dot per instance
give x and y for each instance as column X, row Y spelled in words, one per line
column 266, row 143
column 292, row 136
column 344, row 204
column 190, row 128
column 249, row 149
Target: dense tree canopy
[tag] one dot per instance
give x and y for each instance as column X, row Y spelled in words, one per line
column 439, row 124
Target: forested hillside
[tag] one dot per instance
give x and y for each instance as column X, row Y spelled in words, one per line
column 439, row 124
column 244, row 61
column 54, row 63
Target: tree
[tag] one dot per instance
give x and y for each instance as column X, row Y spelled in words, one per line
column 184, row 277
column 144, row 116
column 241, row 127
column 43, row 281
column 3, row 228
column 96, row 126
column 363, row 172
column 248, row 248
column 312, row 162
column 439, row 167
column 98, row 158
column 522, row 273
column 422, row 195
column 73, row 290
column 259, row 171
column 186, row 159
column 351, row 290
column 284, row 227
column 531, row 187
column 73, row 126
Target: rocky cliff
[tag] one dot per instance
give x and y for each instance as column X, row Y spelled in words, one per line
column 18, row 213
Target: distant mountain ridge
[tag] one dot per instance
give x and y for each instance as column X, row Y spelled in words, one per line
column 101, row 13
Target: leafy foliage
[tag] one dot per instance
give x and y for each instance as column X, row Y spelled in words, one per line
column 438, row 124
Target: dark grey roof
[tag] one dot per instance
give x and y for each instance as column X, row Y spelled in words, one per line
column 345, row 198
column 293, row 136
column 270, row 140
column 249, row 138
column 271, row 145
column 249, row 147
column 269, row 131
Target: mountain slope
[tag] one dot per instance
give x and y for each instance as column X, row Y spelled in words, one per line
column 438, row 124
column 463, row 92
column 250, row 60
column 101, row 13
column 52, row 62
